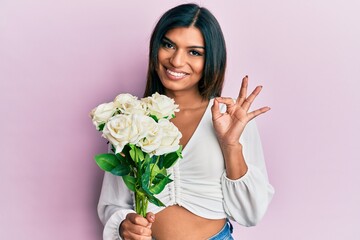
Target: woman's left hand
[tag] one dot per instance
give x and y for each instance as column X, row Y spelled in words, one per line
column 230, row 125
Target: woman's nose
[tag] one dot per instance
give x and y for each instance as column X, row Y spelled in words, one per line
column 178, row 59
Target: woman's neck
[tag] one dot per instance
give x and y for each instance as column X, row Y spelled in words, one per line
column 187, row 100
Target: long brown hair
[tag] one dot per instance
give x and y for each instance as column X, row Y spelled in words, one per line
column 186, row 15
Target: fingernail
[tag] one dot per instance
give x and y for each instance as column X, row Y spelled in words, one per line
column 152, row 217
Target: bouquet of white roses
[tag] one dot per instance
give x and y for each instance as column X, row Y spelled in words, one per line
column 144, row 143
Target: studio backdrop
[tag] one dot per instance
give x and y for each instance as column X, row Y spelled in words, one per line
column 60, row 59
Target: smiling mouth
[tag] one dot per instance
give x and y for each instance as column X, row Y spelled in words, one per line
column 177, row 75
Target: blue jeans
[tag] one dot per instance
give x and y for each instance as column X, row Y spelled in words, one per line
column 225, row 233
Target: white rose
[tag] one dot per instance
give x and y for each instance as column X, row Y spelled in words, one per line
column 141, row 124
column 123, row 129
column 153, row 138
column 170, row 137
column 129, row 104
column 102, row 113
column 161, row 106
column 117, row 130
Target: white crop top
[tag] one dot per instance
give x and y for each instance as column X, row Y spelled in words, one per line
column 200, row 184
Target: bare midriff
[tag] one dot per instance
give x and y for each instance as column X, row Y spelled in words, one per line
column 177, row 223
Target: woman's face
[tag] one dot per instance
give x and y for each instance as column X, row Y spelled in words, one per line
column 181, row 59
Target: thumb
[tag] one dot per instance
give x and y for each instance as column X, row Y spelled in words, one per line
column 151, row 218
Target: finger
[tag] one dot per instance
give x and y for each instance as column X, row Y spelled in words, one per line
column 228, row 101
column 131, row 235
column 137, row 219
column 215, row 110
column 151, row 218
column 128, row 230
column 243, row 90
column 257, row 112
column 248, row 101
column 137, row 230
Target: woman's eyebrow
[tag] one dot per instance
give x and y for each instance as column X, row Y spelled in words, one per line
column 168, row 40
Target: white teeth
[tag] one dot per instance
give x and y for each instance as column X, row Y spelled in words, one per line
column 176, row 74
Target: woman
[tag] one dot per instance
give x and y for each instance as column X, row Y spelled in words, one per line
column 219, row 177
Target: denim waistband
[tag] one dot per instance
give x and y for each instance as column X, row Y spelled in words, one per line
column 225, row 232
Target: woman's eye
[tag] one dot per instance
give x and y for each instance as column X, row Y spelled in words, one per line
column 195, row 53
column 167, row 45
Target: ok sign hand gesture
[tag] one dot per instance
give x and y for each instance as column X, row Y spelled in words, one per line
column 230, row 125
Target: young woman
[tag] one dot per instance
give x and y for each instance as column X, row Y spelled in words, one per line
column 222, row 174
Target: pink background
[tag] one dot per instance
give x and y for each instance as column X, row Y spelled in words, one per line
column 59, row 59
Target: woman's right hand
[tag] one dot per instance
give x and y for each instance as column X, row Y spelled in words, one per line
column 136, row 227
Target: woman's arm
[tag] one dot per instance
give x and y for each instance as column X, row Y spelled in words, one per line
column 114, row 204
column 246, row 189
column 116, row 212
column 247, row 198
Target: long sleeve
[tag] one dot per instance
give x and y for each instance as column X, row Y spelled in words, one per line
column 115, row 203
column 246, row 199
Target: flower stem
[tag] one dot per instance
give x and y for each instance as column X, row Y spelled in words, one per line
column 141, row 203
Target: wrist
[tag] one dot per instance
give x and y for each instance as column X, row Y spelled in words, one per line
column 235, row 164
column 231, row 147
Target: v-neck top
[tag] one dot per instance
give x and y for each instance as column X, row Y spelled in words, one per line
column 199, row 182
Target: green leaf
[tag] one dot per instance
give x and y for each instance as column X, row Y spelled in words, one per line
column 127, row 156
column 101, row 127
column 120, row 157
column 154, row 117
column 126, row 150
column 107, row 161
column 170, row 159
column 139, row 153
column 179, row 151
column 158, row 178
column 132, row 153
column 147, row 158
column 155, row 200
column 160, row 162
column 145, row 178
column 150, row 196
column 157, row 188
column 124, row 160
column 154, row 170
column 130, row 182
column 121, row 170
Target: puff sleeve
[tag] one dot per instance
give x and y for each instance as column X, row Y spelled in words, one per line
column 115, row 202
column 246, row 199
